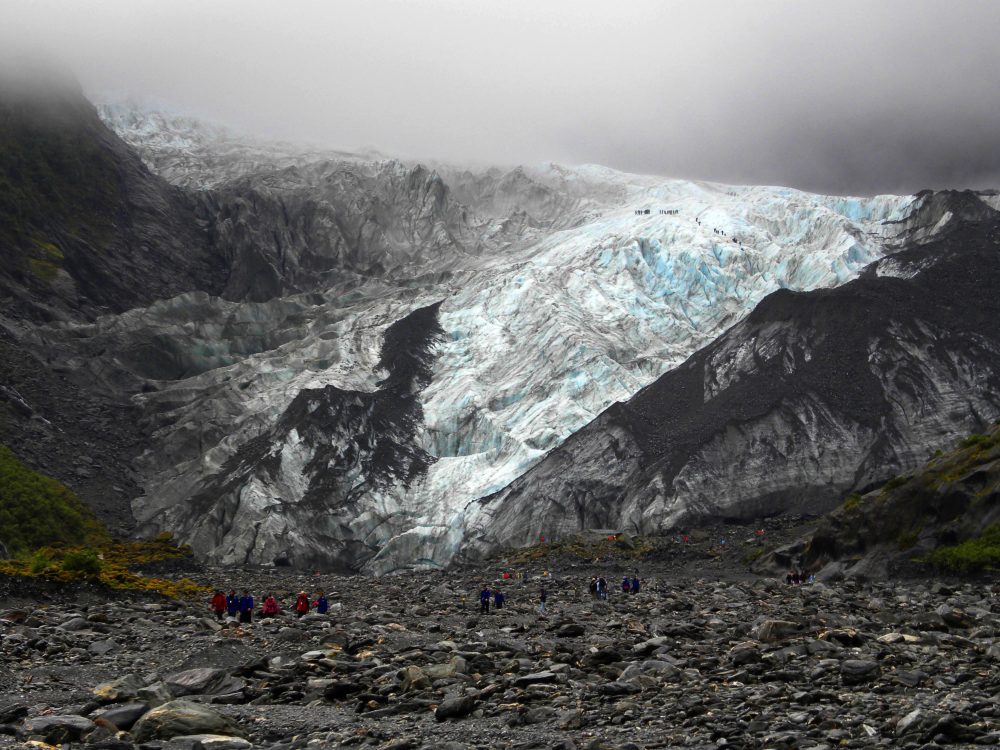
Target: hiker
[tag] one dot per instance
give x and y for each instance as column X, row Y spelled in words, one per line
column 484, row 600
column 321, row 604
column 232, row 604
column 602, row 588
column 635, row 585
column 593, row 587
column 796, row 578
column 541, row 601
column 626, row 586
column 246, row 607
column 271, row 607
column 302, row 604
column 219, row 605
column 498, row 599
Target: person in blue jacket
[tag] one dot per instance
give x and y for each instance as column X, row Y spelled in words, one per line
column 498, row 599
column 484, row 600
column 232, row 604
column 321, row 604
column 246, row 607
column 635, row 585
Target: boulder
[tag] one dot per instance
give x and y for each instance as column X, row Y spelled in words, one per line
column 210, row 742
column 123, row 689
column 770, row 631
column 124, row 716
column 858, row 671
column 58, row 729
column 195, row 681
column 535, row 678
column 180, row 717
column 412, row 678
column 455, row 708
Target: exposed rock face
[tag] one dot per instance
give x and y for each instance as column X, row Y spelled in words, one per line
column 813, row 395
column 298, row 491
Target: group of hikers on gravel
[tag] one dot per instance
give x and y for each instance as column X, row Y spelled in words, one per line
column 241, row 607
column 598, row 590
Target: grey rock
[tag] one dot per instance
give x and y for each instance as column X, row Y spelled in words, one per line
column 535, row 678
column 124, row 716
column 455, row 708
column 857, row 671
column 181, row 717
column 58, row 729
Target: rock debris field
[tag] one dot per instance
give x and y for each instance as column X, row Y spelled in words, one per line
column 409, row 662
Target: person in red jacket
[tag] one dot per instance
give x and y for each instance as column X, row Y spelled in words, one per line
column 270, row 606
column 219, row 604
column 302, row 604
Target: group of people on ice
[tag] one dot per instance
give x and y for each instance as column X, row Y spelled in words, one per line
column 241, row 607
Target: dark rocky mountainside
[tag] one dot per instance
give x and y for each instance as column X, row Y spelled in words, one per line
column 941, row 512
column 85, row 228
column 812, row 396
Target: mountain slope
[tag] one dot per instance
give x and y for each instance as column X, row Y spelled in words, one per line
column 945, row 512
column 84, row 226
column 813, row 395
column 556, row 292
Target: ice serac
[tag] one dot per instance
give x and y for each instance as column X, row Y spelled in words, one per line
column 811, row 396
column 300, row 489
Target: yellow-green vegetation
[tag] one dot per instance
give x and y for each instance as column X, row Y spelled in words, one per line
column 36, row 510
column 972, row 555
column 109, row 564
column 951, row 497
column 753, row 553
column 853, row 501
column 44, row 261
column 584, row 548
column 55, row 536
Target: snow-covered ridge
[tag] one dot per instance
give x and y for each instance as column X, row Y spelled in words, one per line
column 585, row 285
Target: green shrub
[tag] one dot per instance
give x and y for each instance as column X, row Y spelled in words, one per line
column 36, row 511
column 894, row 483
column 83, row 561
column 980, row 553
column 852, row 501
column 974, row 440
column 39, row 563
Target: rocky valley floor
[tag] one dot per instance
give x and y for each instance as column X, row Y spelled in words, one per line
column 721, row 659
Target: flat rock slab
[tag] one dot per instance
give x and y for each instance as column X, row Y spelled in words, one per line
column 58, row 729
column 124, row 716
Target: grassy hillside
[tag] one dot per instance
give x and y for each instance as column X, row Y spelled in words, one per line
column 53, row 535
column 37, row 511
column 946, row 513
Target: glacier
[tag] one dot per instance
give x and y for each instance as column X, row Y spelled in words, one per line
column 559, row 291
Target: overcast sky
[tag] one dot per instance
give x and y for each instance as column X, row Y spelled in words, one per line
column 845, row 97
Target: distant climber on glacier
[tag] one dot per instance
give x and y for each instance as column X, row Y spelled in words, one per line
column 484, row 600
